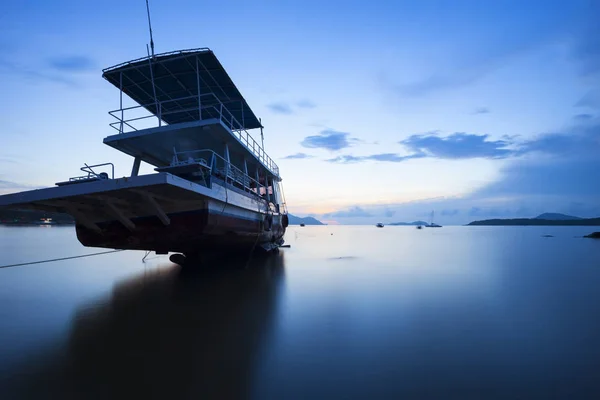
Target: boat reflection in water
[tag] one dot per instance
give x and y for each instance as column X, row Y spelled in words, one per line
column 170, row 333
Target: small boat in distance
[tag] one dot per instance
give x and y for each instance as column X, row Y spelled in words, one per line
column 379, row 225
column 419, row 227
column 302, row 224
column 431, row 224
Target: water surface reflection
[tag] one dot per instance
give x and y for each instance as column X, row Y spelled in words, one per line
column 167, row 333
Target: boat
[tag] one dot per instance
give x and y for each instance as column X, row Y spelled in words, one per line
column 431, row 224
column 379, row 225
column 214, row 188
column 302, row 224
column 419, row 227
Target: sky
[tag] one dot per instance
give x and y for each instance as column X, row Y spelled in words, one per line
column 379, row 111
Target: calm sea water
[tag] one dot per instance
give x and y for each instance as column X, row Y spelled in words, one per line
column 346, row 312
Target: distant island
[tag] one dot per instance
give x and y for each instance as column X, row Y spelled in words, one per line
column 294, row 220
column 415, row 223
column 546, row 219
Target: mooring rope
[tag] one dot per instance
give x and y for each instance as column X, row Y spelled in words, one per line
column 58, row 259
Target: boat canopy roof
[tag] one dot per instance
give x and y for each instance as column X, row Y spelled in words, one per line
column 178, row 78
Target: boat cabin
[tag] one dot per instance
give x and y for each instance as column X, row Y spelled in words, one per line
column 191, row 121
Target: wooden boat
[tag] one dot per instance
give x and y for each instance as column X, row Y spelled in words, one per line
column 214, row 190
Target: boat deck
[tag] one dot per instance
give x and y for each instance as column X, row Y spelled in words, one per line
column 125, row 199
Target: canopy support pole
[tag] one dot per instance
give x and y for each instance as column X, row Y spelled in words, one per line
column 199, row 101
column 228, row 167
column 136, row 166
column 121, row 100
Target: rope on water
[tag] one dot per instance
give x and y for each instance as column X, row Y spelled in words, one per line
column 58, row 259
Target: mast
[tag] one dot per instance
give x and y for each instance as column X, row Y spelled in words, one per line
column 150, row 28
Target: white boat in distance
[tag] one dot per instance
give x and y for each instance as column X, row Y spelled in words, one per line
column 432, row 224
column 215, row 189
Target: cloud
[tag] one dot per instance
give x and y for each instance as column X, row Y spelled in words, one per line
column 495, row 46
column 560, row 174
column 72, row 63
column 387, row 157
column 586, row 48
column 328, row 139
column 583, row 117
column 579, row 143
column 297, row 156
column 462, row 145
column 280, row 108
column 481, row 110
column 566, row 173
column 590, row 100
column 459, row 145
column 306, row 104
column 352, row 212
column 28, row 73
column 435, row 83
column 347, row 159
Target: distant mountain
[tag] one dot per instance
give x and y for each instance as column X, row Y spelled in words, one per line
column 306, row 221
column 409, row 223
column 536, row 221
column 557, row 217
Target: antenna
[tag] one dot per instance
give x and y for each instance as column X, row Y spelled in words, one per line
column 262, row 137
column 150, row 27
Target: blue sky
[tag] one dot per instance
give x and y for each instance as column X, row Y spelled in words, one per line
column 374, row 111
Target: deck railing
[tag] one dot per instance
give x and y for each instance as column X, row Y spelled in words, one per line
column 216, row 110
column 221, row 168
column 91, row 174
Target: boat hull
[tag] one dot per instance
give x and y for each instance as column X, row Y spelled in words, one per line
column 199, row 231
column 163, row 213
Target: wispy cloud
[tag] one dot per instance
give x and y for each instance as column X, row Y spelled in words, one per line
column 72, row 63
column 352, row 212
column 28, row 73
column 586, row 49
column 284, row 107
column 583, row 117
column 459, row 145
column 297, row 156
column 306, row 104
column 328, row 139
column 590, row 100
column 434, row 83
column 462, row 145
column 481, row 110
column 386, row 157
column 564, row 179
column 280, row 108
column 9, row 160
